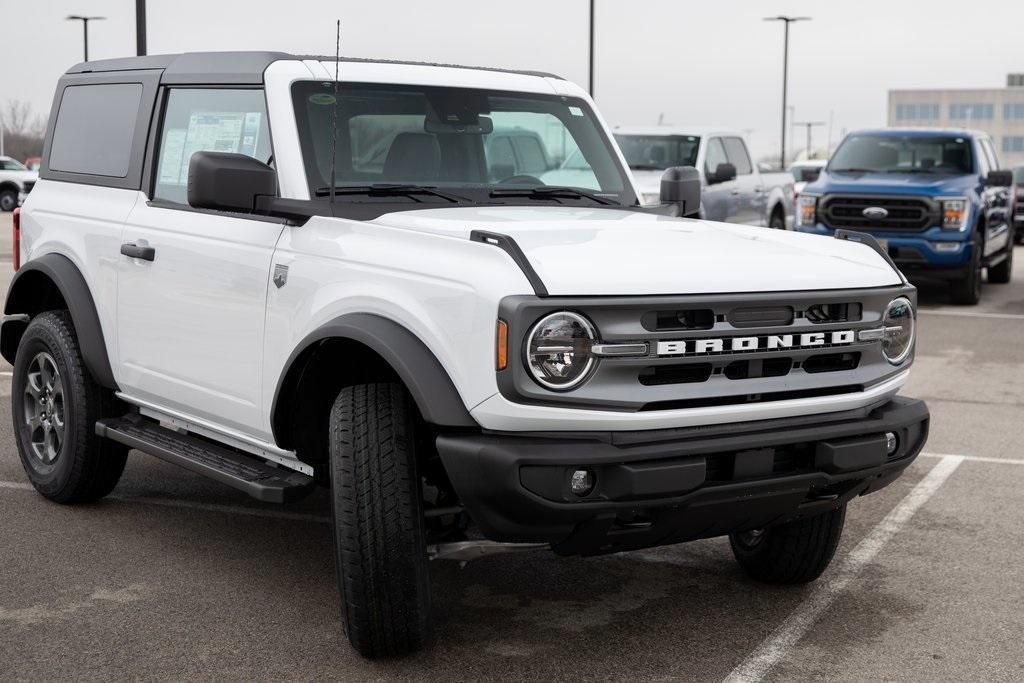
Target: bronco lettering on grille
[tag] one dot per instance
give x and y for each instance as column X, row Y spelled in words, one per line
column 767, row 342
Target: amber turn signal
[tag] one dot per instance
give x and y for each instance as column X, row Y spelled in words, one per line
column 501, row 357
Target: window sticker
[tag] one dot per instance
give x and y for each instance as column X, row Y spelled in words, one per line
column 214, row 132
column 170, row 155
column 322, row 98
column 575, row 111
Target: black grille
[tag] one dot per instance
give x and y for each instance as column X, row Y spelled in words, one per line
column 904, row 213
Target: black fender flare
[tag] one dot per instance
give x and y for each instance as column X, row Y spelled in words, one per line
column 24, row 298
column 428, row 382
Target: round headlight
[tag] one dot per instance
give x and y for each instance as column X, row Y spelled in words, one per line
column 898, row 339
column 558, row 350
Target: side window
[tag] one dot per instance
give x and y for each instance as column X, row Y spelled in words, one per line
column 736, row 151
column 532, row 159
column 94, row 129
column 501, row 160
column 716, row 155
column 206, row 119
column 991, row 152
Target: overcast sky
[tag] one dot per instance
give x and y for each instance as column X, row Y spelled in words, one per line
column 701, row 63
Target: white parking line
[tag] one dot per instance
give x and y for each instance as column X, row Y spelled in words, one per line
column 976, row 458
column 781, row 641
column 969, row 314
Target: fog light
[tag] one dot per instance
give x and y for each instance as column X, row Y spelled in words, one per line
column 891, row 442
column 582, row 482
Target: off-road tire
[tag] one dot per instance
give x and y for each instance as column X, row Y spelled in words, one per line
column 794, row 552
column 777, row 221
column 967, row 290
column 86, row 467
column 1002, row 273
column 379, row 537
column 8, row 200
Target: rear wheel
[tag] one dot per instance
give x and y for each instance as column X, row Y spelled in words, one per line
column 794, row 552
column 55, row 405
column 379, row 534
column 8, row 200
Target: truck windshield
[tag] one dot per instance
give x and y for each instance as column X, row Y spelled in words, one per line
column 658, row 152
column 472, row 145
column 911, row 154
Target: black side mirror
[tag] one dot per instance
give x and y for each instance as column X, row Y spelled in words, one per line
column 680, row 185
column 722, row 173
column 999, row 179
column 228, row 182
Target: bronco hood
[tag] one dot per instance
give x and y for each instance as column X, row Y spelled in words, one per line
column 583, row 251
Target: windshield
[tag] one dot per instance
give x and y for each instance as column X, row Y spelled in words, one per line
column 11, row 165
column 473, row 144
column 806, row 174
column 911, row 154
column 658, row 152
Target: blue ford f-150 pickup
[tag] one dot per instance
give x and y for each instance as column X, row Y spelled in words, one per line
column 935, row 199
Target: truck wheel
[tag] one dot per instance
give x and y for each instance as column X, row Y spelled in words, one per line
column 55, row 405
column 777, row 221
column 794, row 552
column 1002, row 273
column 8, row 200
column 967, row 291
column 379, row 537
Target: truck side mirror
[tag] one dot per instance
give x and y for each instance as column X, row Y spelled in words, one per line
column 228, row 182
column 680, row 185
column 722, row 173
column 999, row 179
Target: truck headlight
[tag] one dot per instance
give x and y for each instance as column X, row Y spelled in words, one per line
column 954, row 213
column 558, row 350
column 898, row 327
column 807, row 209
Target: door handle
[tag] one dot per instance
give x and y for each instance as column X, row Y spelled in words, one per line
column 135, row 251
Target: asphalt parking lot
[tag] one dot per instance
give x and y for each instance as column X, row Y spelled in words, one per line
column 176, row 577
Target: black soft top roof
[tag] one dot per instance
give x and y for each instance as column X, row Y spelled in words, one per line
column 233, row 67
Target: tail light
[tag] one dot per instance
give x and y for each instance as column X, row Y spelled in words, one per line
column 16, row 238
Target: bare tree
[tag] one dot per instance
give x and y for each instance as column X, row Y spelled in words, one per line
column 23, row 130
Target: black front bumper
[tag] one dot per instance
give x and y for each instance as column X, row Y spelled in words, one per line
column 669, row 486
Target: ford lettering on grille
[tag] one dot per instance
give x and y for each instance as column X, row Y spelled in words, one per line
column 767, row 342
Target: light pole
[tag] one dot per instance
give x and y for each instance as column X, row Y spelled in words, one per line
column 140, row 27
column 785, row 74
column 85, row 29
column 590, row 87
column 809, row 124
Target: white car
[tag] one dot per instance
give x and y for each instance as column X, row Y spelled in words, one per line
column 16, row 181
column 474, row 362
column 735, row 190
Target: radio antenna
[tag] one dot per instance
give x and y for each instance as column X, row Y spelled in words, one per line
column 334, row 111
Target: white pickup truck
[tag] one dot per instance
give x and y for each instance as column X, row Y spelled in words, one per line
column 475, row 352
column 734, row 189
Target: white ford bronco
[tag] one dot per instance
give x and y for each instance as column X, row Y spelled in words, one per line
column 387, row 283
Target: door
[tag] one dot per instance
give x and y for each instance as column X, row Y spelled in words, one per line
column 191, row 320
column 997, row 232
column 748, row 194
column 718, row 201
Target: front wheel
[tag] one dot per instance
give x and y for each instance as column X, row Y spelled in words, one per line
column 777, row 222
column 967, row 290
column 794, row 552
column 379, row 537
column 8, row 200
column 55, row 405
column 1002, row 273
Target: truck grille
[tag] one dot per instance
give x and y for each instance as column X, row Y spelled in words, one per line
column 905, row 213
column 714, row 350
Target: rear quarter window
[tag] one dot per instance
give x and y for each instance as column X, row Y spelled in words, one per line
column 95, row 128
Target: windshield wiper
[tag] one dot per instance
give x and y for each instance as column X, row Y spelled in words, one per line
column 383, row 190
column 646, row 167
column 912, row 170
column 853, row 170
column 550, row 192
